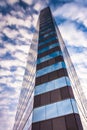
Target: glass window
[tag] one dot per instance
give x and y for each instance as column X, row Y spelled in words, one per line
column 46, row 35
column 50, row 68
column 64, row 107
column 42, row 32
column 52, row 85
column 46, row 41
column 51, row 111
column 39, row 114
column 46, row 27
column 50, row 56
column 40, row 89
column 74, row 106
column 61, row 82
column 47, row 48
column 28, row 123
column 68, row 81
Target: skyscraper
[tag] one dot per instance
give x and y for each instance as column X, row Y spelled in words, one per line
column 46, row 101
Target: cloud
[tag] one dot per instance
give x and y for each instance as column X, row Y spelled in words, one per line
column 73, row 10
column 38, row 6
column 29, row 2
column 12, row 1
column 74, row 36
column 10, row 33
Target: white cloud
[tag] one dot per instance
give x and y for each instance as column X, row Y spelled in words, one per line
column 10, row 33
column 28, row 1
column 12, row 20
column 12, row 1
column 37, row 6
column 73, row 35
column 25, row 34
column 73, row 11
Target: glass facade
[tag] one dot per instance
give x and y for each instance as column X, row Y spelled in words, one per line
column 46, row 101
column 52, row 85
column 54, row 110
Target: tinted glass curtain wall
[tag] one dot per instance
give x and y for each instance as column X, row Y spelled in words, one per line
column 47, row 103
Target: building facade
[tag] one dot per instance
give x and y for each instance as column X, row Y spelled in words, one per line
column 46, row 101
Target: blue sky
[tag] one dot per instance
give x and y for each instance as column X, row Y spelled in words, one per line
column 18, row 19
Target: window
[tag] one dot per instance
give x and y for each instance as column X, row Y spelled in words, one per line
column 28, row 123
column 74, row 106
column 48, row 47
column 51, row 68
column 52, row 85
column 64, row 107
column 46, row 41
column 50, row 56
column 53, row 110
column 39, row 114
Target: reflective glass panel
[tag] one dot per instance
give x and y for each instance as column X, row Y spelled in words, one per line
column 52, row 85
column 48, row 47
column 28, row 123
column 46, row 41
column 48, row 57
column 64, row 107
column 50, row 68
column 51, row 111
column 39, row 114
column 46, row 35
column 68, row 81
column 74, row 106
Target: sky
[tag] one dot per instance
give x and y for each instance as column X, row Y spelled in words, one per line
column 18, row 19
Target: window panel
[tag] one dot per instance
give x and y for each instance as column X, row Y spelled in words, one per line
column 46, row 41
column 48, row 47
column 50, row 56
column 50, row 68
column 64, row 107
column 40, row 89
column 58, row 109
column 46, row 35
column 51, row 111
column 52, row 85
column 61, row 82
column 28, row 123
column 39, row 114
column 74, row 106
column 68, row 81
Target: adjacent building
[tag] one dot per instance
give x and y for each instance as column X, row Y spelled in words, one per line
column 46, row 101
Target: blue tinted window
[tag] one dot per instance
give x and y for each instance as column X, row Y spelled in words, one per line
column 51, row 68
column 53, row 110
column 52, row 85
column 74, row 106
column 48, row 47
column 46, row 35
column 64, row 107
column 46, row 27
column 48, row 57
column 42, row 32
column 68, row 81
column 46, row 41
column 39, row 114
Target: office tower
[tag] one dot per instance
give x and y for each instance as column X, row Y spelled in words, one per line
column 46, row 101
